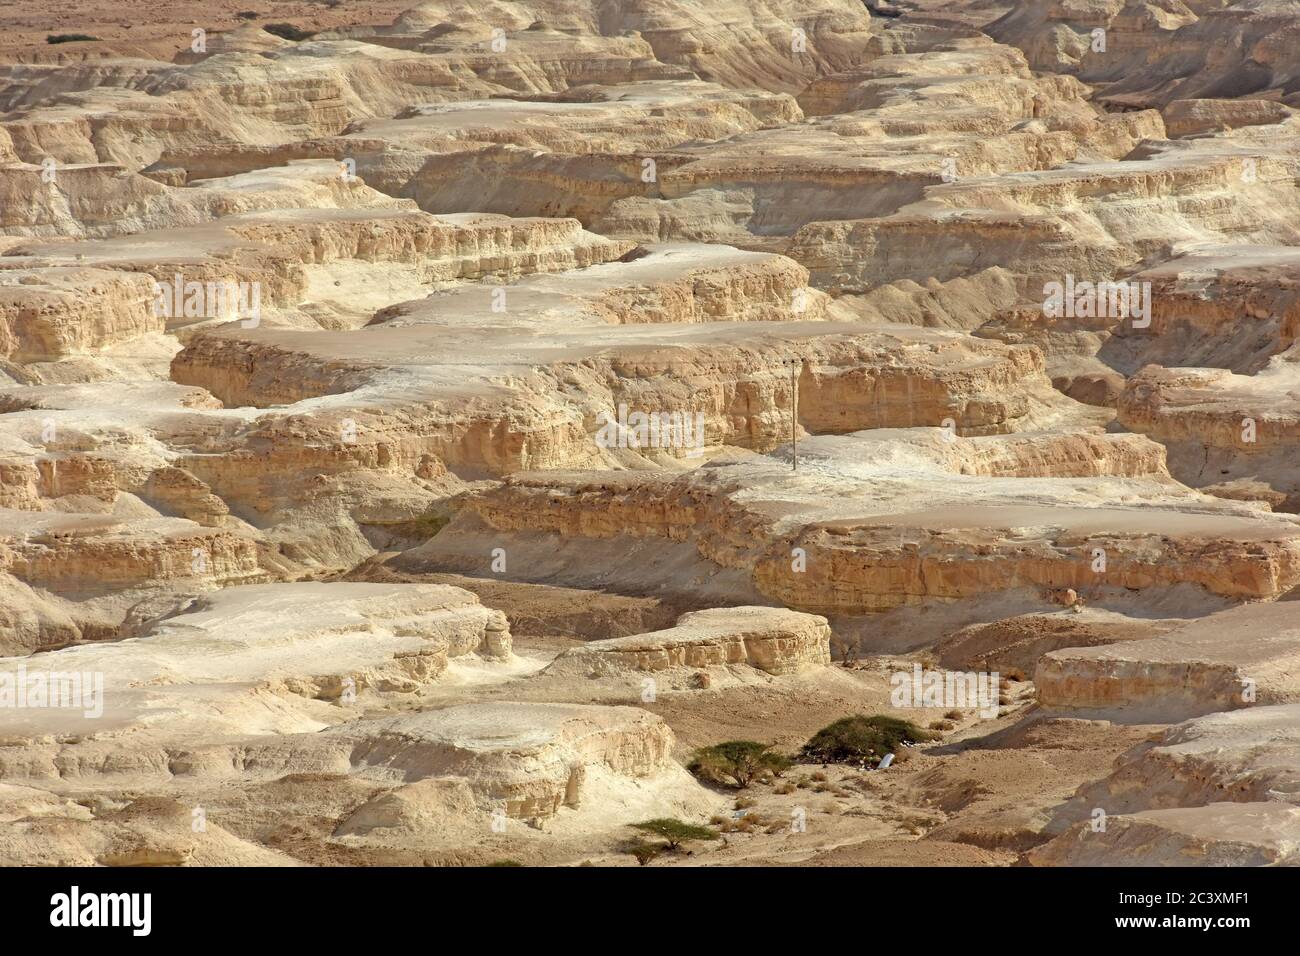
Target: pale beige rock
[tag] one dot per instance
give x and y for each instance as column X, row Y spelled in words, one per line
column 1190, row 117
column 1231, row 834
column 1219, row 790
column 48, row 314
column 528, row 760
column 886, row 520
column 245, row 661
column 769, row 639
column 498, row 246
column 1243, row 657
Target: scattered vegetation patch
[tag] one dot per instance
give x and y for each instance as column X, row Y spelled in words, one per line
column 71, row 38
column 861, row 739
column 643, row 851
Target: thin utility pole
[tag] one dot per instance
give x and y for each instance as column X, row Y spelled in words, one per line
column 794, row 413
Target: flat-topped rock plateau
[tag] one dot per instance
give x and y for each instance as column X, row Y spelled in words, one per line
column 650, row 433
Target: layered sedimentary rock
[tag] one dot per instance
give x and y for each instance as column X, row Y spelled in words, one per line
column 1232, row 307
column 737, row 309
column 48, row 314
column 1018, row 643
column 769, row 639
column 1082, row 219
column 1146, row 54
column 1238, row 834
column 1217, row 790
column 529, row 760
column 292, row 257
column 916, row 120
column 843, row 534
column 1237, row 658
column 248, row 661
column 1213, row 377
column 758, row 45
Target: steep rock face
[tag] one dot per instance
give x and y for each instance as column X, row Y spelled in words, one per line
column 917, row 120
column 391, row 151
column 736, row 376
column 1233, row 659
column 97, row 201
column 47, row 314
column 264, row 99
column 1151, row 54
column 79, row 554
column 1222, row 428
column 770, row 639
column 1059, row 36
column 1233, row 307
column 1230, row 428
column 1209, row 405
column 976, row 81
column 1190, row 117
column 1079, row 220
column 671, row 283
column 865, row 547
column 277, row 251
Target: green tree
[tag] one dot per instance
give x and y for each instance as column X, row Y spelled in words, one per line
column 740, row 760
column 858, row 738
column 675, row 832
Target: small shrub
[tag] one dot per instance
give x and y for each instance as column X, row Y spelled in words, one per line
column 819, row 777
column 505, row 863
column 287, row 31
column 247, row 15
column 954, row 715
column 744, row 803
column 737, row 761
column 71, row 38
column 643, row 851
column 860, row 739
column 784, row 788
column 675, row 832
column 942, row 725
